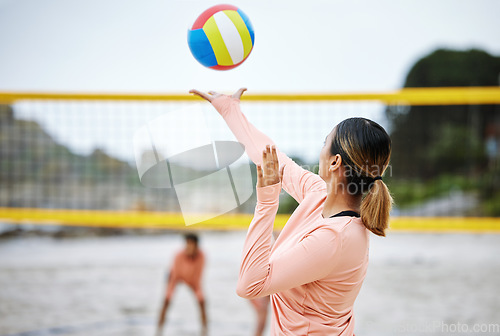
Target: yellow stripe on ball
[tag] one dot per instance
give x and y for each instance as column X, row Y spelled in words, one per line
column 215, row 38
column 242, row 30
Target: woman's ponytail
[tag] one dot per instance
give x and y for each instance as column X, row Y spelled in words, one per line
column 365, row 148
column 376, row 207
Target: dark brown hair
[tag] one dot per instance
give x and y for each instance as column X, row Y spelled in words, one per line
column 191, row 237
column 365, row 148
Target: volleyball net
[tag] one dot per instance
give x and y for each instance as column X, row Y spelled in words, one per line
column 169, row 161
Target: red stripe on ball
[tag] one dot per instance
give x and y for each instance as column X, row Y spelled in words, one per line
column 200, row 21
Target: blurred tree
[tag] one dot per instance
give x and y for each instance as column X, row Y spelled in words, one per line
column 429, row 141
column 445, row 67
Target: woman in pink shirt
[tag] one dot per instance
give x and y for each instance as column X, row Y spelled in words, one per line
column 316, row 267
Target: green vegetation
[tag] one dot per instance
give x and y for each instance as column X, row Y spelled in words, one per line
column 441, row 149
column 412, row 192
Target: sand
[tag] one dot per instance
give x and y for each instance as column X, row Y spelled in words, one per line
column 417, row 284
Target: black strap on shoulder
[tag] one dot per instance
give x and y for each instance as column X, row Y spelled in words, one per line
column 346, row 213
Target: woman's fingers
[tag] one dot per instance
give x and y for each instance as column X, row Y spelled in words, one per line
column 203, row 95
column 211, row 95
column 268, row 162
column 273, row 164
column 264, row 171
column 239, row 93
column 269, row 170
column 275, row 158
column 260, row 176
column 215, row 94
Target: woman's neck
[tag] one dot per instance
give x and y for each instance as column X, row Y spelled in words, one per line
column 340, row 201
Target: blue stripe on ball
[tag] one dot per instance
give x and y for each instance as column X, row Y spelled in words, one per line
column 248, row 24
column 200, row 47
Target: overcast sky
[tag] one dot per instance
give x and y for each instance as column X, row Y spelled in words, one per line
column 141, row 46
column 314, row 45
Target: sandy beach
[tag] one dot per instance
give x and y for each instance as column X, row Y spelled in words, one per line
column 417, row 284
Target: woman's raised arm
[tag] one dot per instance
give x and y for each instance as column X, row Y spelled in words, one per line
column 296, row 180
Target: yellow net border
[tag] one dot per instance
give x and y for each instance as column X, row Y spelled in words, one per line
column 408, row 96
column 175, row 221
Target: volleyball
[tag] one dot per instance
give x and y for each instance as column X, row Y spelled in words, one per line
column 221, row 38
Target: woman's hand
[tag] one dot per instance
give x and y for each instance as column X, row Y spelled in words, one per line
column 271, row 173
column 211, row 95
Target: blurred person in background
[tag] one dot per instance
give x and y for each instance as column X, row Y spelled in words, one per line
column 188, row 268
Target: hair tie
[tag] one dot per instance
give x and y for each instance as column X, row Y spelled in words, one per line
column 377, row 178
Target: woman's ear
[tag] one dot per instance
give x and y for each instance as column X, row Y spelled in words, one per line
column 335, row 162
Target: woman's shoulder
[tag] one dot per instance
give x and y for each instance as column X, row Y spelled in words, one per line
column 342, row 225
column 344, row 231
column 314, row 199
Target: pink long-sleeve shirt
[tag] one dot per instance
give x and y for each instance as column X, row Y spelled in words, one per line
column 314, row 270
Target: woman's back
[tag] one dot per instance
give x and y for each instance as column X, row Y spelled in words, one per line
column 323, row 306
